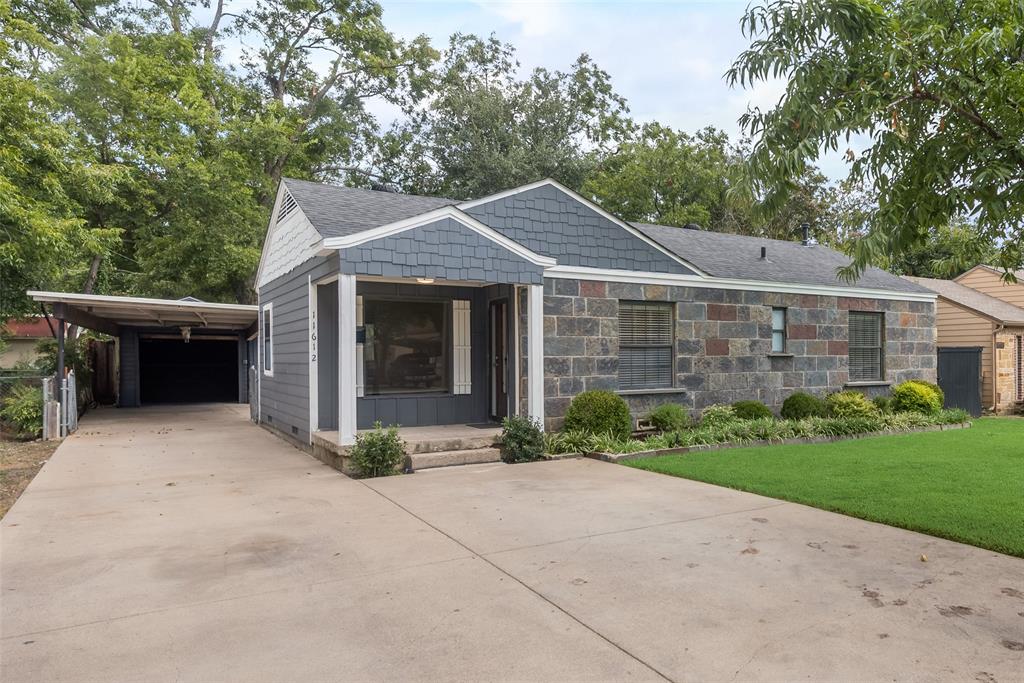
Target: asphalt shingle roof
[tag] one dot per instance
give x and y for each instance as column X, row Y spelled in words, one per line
column 1002, row 311
column 739, row 256
column 339, row 211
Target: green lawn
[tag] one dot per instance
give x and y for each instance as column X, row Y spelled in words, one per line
column 966, row 485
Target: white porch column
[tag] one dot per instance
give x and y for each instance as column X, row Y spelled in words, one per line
column 535, row 353
column 347, row 359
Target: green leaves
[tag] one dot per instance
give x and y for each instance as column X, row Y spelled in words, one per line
column 937, row 85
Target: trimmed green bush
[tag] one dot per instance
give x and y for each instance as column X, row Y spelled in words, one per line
column 914, row 396
column 751, row 410
column 22, row 410
column 883, row 403
column 800, row 405
column 849, row 404
column 378, row 453
column 599, row 412
column 669, row 417
column 521, row 439
column 714, row 416
column 934, row 387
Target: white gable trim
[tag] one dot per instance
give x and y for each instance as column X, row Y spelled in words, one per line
column 590, row 205
column 432, row 217
column 304, row 242
column 670, row 279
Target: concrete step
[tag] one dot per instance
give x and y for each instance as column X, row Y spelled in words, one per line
column 445, row 444
column 425, row 461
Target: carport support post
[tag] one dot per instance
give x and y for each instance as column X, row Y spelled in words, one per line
column 60, row 359
column 347, row 359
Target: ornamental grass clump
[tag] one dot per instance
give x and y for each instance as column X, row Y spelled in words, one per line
column 568, row 441
column 599, row 412
column 378, row 453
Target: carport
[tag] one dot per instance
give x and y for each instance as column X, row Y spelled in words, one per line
column 168, row 351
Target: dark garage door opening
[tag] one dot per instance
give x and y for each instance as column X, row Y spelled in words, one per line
column 201, row 371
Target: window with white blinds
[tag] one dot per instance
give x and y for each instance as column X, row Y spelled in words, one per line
column 645, row 345
column 867, row 359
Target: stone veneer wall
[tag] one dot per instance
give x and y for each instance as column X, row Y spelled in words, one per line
column 723, row 344
column 1005, row 372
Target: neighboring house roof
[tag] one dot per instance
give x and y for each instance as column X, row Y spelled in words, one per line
column 339, row 211
column 990, row 306
column 739, row 256
column 32, row 328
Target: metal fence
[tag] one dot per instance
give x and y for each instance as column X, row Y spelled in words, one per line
column 59, row 407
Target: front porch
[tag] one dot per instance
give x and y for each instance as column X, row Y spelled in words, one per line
column 428, row 447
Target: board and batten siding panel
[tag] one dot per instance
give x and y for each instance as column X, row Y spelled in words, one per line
column 128, row 368
column 284, row 397
column 988, row 282
column 958, row 326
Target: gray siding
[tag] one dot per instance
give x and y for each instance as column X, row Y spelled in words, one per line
column 550, row 222
column 284, row 398
column 419, row 409
column 128, row 369
column 444, row 249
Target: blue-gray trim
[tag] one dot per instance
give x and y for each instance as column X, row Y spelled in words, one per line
column 443, row 249
column 552, row 223
column 128, row 368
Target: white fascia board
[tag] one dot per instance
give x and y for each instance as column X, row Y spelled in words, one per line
column 270, row 229
column 431, row 217
column 590, row 205
column 581, row 273
column 106, row 301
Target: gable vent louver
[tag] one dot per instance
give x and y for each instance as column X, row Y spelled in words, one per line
column 287, row 205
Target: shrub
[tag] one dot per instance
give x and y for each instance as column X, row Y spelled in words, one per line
column 934, row 387
column 669, row 417
column 751, row 410
column 378, row 453
column 714, row 416
column 849, row 404
column 916, row 397
column 521, row 439
column 599, row 412
column 22, row 409
column 800, row 405
column 883, row 403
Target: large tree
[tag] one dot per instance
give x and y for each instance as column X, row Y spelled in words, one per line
column 669, row 177
column 934, row 86
column 486, row 129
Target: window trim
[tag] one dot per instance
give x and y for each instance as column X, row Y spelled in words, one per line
column 267, row 335
column 784, row 330
column 880, row 317
column 671, row 307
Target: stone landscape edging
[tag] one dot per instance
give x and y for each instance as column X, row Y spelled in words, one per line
column 640, row 455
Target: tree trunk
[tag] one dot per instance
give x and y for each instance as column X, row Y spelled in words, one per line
column 90, row 283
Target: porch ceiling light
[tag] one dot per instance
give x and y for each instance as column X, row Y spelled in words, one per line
column 425, row 280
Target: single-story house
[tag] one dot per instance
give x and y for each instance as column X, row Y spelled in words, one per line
column 378, row 306
column 21, row 339
column 976, row 311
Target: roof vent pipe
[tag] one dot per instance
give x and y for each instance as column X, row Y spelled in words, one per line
column 805, row 228
column 764, row 253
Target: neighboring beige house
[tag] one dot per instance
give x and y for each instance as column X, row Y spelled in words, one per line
column 20, row 338
column 980, row 309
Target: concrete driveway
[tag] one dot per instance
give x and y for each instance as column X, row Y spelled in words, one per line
column 188, row 544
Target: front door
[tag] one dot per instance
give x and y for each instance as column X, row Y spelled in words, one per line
column 497, row 345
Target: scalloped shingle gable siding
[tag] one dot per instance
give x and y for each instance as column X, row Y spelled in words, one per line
column 550, row 222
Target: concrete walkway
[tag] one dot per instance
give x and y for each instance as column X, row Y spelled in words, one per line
column 187, row 544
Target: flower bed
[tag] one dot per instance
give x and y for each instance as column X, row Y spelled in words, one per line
column 733, row 433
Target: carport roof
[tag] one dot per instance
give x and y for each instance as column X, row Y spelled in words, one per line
column 108, row 313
